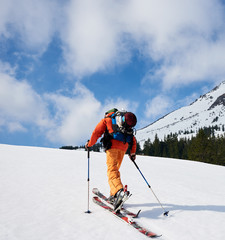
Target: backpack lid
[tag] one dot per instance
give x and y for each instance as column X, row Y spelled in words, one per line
column 130, row 119
column 110, row 112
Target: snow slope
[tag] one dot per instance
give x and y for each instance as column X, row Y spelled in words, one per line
column 208, row 110
column 43, row 196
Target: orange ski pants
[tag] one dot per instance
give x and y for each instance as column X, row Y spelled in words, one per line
column 114, row 159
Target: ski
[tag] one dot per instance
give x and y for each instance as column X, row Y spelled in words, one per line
column 124, row 210
column 126, row 219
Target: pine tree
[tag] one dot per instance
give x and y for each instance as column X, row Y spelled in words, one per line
column 199, row 147
column 147, row 148
column 138, row 150
column 156, row 146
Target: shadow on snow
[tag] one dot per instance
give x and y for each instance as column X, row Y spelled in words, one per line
column 155, row 211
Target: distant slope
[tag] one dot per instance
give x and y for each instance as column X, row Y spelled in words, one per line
column 207, row 110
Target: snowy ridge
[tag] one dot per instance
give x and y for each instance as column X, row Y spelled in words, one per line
column 44, row 197
column 206, row 111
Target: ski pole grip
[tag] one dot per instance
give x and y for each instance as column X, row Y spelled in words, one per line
column 135, row 165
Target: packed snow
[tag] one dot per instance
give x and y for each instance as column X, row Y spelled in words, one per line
column 44, row 196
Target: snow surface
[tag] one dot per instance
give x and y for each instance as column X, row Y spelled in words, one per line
column 44, row 197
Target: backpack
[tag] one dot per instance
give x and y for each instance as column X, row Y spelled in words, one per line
column 120, row 132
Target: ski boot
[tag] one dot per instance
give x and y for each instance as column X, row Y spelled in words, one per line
column 111, row 199
column 121, row 196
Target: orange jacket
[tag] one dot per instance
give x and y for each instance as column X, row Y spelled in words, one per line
column 100, row 129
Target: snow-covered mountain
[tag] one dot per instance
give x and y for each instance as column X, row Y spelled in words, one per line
column 43, row 196
column 207, row 111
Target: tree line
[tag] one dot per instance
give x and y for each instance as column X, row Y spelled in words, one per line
column 204, row 147
column 96, row 148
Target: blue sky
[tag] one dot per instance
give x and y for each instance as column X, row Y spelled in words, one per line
column 64, row 63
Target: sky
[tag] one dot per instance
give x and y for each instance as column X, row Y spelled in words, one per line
column 64, row 63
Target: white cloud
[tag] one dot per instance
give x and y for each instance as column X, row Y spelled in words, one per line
column 75, row 117
column 187, row 40
column 6, row 68
column 16, row 127
column 120, row 104
column 158, row 106
column 202, row 61
column 62, row 119
column 20, row 104
column 91, row 37
column 32, row 23
column 185, row 37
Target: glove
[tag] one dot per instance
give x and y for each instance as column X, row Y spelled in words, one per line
column 86, row 144
column 132, row 156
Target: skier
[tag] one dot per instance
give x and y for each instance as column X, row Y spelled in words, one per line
column 117, row 128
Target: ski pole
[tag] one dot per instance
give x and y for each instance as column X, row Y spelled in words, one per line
column 165, row 212
column 88, row 179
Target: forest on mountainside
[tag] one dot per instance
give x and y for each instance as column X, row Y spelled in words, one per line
column 204, row 147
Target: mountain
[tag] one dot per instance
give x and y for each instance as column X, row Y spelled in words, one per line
column 44, row 197
column 207, row 111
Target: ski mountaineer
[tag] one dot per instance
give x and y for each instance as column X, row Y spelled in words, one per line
column 117, row 127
